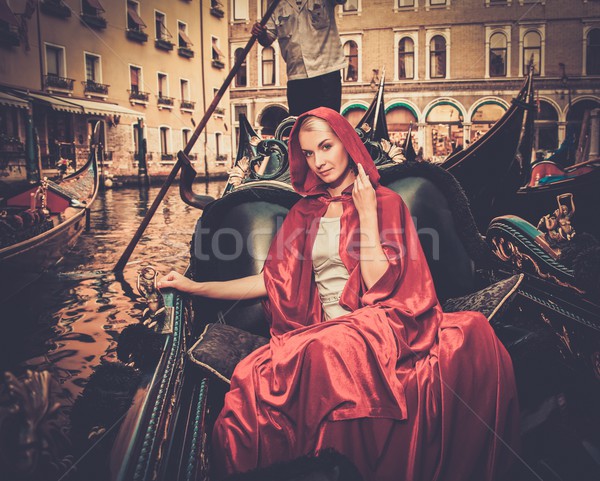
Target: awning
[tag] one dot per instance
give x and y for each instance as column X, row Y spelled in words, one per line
column 135, row 17
column 81, row 106
column 95, row 4
column 185, row 38
column 12, row 101
column 7, row 15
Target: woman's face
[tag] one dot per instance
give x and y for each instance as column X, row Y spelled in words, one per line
column 326, row 157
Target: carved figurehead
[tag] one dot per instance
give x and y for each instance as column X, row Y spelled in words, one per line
column 557, row 225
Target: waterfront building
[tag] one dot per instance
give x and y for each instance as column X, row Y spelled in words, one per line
column 451, row 66
column 66, row 65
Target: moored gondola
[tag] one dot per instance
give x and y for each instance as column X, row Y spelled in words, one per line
column 40, row 225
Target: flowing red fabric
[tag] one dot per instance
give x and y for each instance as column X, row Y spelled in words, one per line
column 404, row 390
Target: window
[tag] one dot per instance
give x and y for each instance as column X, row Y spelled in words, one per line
column 182, row 37
column 160, row 25
column 240, row 10
column 350, row 6
column 91, row 8
column 185, row 89
column 163, row 87
column 406, row 58
column 532, row 52
column 592, row 53
column 268, row 66
column 437, row 57
column 218, row 148
column 55, row 61
column 185, row 137
column 134, row 21
column 436, row 3
column 406, row 3
column 351, row 53
column 546, row 127
column 241, row 77
column 498, row 44
column 135, row 77
column 164, row 141
column 217, row 55
column 92, row 66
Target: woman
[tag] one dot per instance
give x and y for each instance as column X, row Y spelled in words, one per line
column 361, row 358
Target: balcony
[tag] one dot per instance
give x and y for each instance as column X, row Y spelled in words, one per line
column 185, row 52
column 218, row 64
column 219, row 111
column 9, row 37
column 165, row 102
column 217, row 11
column 163, row 44
column 187, row 105
column 94, row 21
column 136, row 35
column 91, row 88
column 54, row 82
column 55, row 8
column 138, row 97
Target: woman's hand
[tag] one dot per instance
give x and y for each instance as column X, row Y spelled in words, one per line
column 363, row 194
column 175, row 280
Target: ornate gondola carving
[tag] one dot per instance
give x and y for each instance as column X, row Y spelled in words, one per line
column 28, row 422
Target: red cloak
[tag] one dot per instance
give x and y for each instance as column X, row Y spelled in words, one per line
column 404, row 390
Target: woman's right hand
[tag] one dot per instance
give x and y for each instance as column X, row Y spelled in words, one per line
column 175, row 280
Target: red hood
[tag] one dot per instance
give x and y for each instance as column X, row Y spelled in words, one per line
column 304, row 181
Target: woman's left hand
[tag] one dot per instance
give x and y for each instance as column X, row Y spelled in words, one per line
column 363, row 194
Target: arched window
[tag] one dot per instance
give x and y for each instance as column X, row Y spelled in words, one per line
column 593, row 52
column 398, row 120
column 351, row 53
column 241, row 77
column 546, row 127
column 484, row 117
column 437, row 57
column 532, row 52
column 406, row 58
column 444, row 131
column 498, row 50
column 268, row 66
column 354, row 114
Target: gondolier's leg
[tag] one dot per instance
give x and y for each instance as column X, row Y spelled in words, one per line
column 322, row 91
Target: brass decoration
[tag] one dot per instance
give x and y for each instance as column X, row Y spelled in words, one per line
column 27, row 421
column 239, row 172
column 508, row 252
column 557, row 225
column 146, row 286
column 395, row 153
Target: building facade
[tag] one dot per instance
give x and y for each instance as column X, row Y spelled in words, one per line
column 451, row 66
column 133, row 65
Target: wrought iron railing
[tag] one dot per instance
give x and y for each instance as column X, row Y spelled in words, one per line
column 138, row 95
column 187, row 104
column 91, row 87
column 56, row 82
column 168, row 101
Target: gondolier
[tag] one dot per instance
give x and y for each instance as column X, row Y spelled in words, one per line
column 310, row 45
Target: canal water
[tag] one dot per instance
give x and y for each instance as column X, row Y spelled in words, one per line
column 69, row 321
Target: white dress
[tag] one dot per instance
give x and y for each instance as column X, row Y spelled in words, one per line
column 330, row 273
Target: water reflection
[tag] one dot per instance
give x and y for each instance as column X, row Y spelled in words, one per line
column 69, row 321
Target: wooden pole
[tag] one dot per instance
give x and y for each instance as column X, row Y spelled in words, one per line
column 122, row 262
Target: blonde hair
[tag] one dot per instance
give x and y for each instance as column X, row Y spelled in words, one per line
column 312, row 124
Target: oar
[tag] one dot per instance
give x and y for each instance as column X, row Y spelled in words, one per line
column 120, row 265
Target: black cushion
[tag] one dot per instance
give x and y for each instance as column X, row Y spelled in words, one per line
column 221, row 347
column 491, row 301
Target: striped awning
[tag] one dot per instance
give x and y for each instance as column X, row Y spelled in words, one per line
column 12, row 101
column 82, row 106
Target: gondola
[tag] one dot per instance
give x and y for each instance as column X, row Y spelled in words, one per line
column 493, row 167
column 549, row 323
column 40, row 225
column 551, row 178
column 150, row 416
